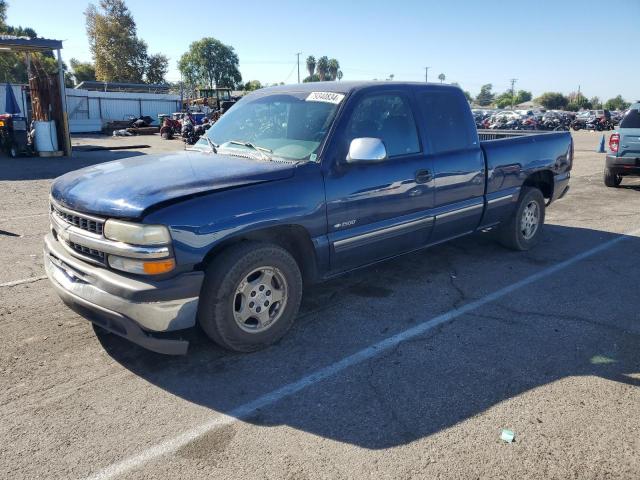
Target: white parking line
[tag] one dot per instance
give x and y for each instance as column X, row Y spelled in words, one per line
column 23, row 281
column 171, row 445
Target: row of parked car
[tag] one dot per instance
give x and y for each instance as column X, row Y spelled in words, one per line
column 557, row 120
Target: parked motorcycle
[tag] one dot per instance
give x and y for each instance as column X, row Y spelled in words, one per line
column 188, row 131
column 170, row 127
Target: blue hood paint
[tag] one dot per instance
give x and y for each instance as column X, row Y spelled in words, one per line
column 127, row 187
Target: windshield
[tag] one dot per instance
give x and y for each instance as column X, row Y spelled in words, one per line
column 290, row 126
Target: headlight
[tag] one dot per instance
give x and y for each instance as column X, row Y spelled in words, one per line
column 136, row 233
column 143, row 267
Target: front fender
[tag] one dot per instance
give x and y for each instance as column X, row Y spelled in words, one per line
column 199, row 224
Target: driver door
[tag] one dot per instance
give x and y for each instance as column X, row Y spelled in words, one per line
column 378, row 210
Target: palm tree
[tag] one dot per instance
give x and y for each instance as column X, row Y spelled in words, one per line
column 333, row 67
column 311, row 65
column 339, row 75
column 441, row 77
column 322, row 68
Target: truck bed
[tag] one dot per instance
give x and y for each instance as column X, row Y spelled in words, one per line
column 515, row 155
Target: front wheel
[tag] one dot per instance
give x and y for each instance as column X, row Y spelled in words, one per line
column 611, row 179
column 524, row 229
column 250, row 296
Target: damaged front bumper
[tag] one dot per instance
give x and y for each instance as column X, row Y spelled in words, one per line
column 129, row 307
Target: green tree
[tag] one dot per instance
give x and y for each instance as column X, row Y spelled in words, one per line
column 119, row 55
column 523, row 96
column 252, row 85
column 322, row 68
column 486, row 96
column 552, row 100
column 616, row 103
column 210, row 63
column 13, row 65
column 333, row 66
column 595, row 102
column 311, row 65
column 441, row 77
column 506, row 100
column 82, row 71
column 577, row 99
column 311, row 78
column 156, row 68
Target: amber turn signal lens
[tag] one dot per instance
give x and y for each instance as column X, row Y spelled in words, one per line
column 156, row 268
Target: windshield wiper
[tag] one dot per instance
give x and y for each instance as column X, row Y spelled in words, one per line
column 214, row 147
column 263, row 151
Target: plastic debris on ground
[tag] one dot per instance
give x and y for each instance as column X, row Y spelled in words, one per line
column 507, row 436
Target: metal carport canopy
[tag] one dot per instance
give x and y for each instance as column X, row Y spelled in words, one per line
column 26, row 44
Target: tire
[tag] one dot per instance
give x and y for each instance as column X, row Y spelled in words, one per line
column 512, row 234
column 221, row 304
column 611, row 179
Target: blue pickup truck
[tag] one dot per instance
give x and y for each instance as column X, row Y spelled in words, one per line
column 295, row 184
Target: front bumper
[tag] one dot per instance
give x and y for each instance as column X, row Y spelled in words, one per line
column 131, row 308
column 624, row 165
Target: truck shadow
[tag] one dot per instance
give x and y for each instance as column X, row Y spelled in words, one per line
column 438, row 379
column 42, row 168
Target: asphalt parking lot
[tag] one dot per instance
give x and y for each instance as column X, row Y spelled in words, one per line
column 409, row 369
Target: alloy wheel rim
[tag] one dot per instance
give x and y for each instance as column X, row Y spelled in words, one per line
column 530, row 220
column 260, row 299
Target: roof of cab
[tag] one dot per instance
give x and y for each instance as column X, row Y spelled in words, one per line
column 345, row 87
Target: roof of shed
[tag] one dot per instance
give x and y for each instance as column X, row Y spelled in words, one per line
column 26, row 44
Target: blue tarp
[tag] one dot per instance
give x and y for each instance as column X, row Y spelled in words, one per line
column 11, row 104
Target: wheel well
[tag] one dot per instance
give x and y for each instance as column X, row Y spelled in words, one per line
column 292, row 238
column 543, row 181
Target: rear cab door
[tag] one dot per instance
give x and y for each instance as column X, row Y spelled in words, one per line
column 629, row 131
column 459, row 169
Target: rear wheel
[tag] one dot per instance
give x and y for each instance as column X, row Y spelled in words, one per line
column 611, row 179
column 250, row 296
column 524, row 229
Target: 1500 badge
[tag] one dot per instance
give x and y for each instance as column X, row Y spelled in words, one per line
column 344, row 224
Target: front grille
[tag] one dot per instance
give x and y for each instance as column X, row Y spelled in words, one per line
column 81, row 221
column 89, row 252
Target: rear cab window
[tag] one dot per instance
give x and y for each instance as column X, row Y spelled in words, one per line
column 448, row 121
column 632, row 118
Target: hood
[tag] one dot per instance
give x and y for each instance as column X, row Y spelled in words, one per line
column 127, row 187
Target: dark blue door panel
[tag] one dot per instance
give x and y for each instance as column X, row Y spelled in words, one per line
column 459, row 192
column 377, row 210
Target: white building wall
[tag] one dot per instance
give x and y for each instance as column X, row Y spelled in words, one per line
column 89, row 111
column 83, row 105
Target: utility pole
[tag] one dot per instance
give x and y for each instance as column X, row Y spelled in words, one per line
column 298, row 55
column 426, row 74
column 513, row 94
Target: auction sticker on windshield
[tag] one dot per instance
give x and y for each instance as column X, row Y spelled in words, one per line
column 328, row 97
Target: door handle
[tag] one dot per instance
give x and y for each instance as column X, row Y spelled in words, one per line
column 423, row 176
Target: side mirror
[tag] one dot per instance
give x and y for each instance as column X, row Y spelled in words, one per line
column 366, row 150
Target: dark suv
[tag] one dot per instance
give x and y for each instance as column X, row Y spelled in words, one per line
column 624, row 145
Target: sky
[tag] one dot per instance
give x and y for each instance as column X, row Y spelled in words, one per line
column 547, row 45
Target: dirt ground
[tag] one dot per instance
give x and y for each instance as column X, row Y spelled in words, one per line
column 554, row 357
